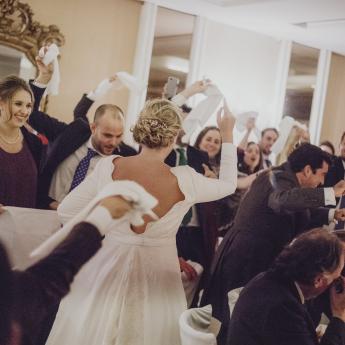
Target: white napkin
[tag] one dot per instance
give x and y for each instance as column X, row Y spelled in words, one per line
column 124, row 79
column 143, row 203
column 202, row 112
column 129, row 81
column 241, row 122
column 285, row 127
column 190, row 286
column 50, row 56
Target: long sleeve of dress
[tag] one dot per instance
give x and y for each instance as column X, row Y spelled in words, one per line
column 80, row 196
column 210, row 189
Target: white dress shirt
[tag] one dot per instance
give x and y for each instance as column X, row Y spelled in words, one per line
column 63, row 176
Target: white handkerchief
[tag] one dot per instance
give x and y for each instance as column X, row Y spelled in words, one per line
column 47, row 57
column 143, row 204
column 129, row 81
column 102, row 88
column 241, row 122
column 202, row 112
column 285, row 127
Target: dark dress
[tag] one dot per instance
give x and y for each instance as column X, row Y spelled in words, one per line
column 18, row 178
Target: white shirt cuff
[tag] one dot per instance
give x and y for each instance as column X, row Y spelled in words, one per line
column 91, row 96
column 179, row 100
column 40, row 85
column 331, row 213
column 100, row 217
column 329, row 196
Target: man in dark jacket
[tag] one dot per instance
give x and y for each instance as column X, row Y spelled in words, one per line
column 281, row 204
column 74, row 148
column 27, row 297
column 271, row 308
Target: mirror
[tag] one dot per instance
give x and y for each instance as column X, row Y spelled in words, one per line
column 171, row 50
column 301, row 82
column 15, row 62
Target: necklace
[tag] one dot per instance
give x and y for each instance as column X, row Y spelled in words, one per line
column 10, row 142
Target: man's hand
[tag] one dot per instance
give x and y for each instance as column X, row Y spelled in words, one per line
column 338, row 301
column 208, row 172
column 339, row 189
column 113, row 78
column 116, row 205
column 54, row 205
column 226, row 123
column 188, row 269
column 339, row 215
column 44, row 72
column 1, row 208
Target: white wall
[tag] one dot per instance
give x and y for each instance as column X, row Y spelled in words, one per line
column 245, row 66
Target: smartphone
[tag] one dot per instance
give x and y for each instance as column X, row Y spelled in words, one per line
column 171, row 87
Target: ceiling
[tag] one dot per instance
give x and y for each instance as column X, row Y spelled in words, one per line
column 316, row 23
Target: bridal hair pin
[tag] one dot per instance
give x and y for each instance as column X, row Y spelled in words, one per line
column 154, row 123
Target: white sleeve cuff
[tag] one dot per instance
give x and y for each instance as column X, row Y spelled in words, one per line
column 329, row 196
column 40, row 85
column 91, row 96
column 179, row 100
column 331, row 213
column 100, row 217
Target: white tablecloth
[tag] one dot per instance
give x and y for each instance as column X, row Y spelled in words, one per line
column 23, row 229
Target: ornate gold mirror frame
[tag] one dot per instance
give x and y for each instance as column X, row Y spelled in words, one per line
column 18, row 30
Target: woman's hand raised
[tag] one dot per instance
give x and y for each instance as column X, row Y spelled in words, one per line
column 226, row 123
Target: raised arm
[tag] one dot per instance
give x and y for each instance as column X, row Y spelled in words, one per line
column 209, row 189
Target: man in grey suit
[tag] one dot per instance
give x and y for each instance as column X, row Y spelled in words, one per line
column 281, row 204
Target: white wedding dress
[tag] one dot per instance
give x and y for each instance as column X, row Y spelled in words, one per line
column 130, row 292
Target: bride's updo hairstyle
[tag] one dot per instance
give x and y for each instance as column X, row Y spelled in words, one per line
column 158, row 124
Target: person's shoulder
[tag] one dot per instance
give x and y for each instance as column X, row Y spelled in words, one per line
column 126, row 150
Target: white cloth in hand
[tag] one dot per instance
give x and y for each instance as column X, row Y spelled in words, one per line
column 202, row 112
column 242, row 119
column 285, row 127
column 143, row 203
column 50, row 56
column 129, row 81
column 190, row 286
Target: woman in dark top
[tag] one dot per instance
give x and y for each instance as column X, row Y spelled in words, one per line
column 20, row 151
column 249, row 163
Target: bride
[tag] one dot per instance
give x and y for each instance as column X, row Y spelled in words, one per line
column 131, row 292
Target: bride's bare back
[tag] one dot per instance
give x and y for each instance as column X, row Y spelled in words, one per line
column 155, row 177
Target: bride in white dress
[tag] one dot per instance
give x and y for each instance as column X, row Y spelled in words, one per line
column 131, row 292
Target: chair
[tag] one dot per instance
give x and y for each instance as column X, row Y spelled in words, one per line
column 198, row 327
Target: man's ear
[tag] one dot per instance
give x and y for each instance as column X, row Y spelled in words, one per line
column 307, row 171
column 93, row 127
column 319, row 281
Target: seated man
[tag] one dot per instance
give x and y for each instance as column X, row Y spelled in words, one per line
column 26, row 297
column 271, row 310
column 76, row 147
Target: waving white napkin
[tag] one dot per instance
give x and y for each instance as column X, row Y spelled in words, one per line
column 241, row 122
column 285, row 127
column 124, row 79
column 202, row 112
column 143, row 203
column 50, row 56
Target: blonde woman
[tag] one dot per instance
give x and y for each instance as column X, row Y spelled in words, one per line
column 20, row 151
column 131, row 292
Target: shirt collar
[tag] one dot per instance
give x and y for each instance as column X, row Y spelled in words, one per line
column 89, row 145
column 300, row 293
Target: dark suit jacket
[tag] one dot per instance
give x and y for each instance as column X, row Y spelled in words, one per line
column 269, row 311
column 271, row 214
column 64, row 139
column 335, row 173
column 42, row 286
